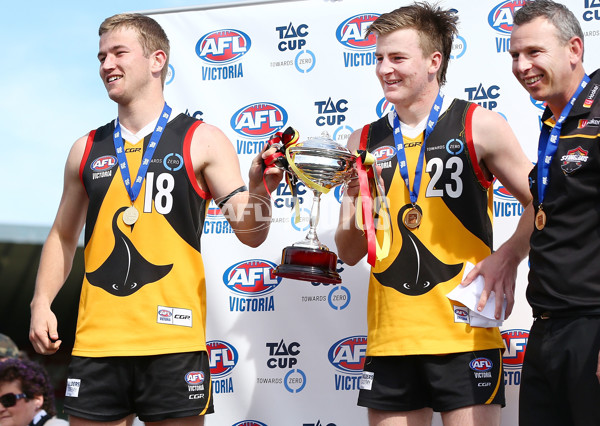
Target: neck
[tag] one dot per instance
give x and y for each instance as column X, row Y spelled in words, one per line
column 134, row 116
column 418, row 109
column 558, row 104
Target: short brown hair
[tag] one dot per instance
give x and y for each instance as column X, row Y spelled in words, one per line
column 151, row 35
column 436, row 28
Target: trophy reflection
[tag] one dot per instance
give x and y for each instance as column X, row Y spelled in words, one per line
column 321, row 164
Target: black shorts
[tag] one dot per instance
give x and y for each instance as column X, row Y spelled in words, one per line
column 441, row 382
column 558, row 380
column 156, row 387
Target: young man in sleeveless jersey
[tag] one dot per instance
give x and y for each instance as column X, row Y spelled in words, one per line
column 420, row 350
column 561, row 370
column 141, row 186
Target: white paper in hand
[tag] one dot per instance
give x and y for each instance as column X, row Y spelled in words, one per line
column 469, row 296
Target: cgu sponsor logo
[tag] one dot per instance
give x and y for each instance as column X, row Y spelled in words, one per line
column 103, row 163
column 259, row 120
column 223, row 46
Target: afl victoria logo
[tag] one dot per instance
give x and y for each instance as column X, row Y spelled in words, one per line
column 348, row 354
column 223, row 46
column 501, row 16
column 259, row 120
column 103, row 163
column 351, row 32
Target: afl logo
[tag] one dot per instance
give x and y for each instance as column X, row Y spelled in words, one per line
column 515, row 342
column 249, row 423
column 501, row 16
column 461, row 312
column 383, row 107
column 350, row 33
column 165, row 313
column 223, row 46
column 259, row 120
column 222, row 358
column 348, row 354
column 103, row 163
column 481, row 364
column 194, row 378
column 541, row 105
column 384, row 153
column 251, row 277
column 501, row 192
column 213, row 212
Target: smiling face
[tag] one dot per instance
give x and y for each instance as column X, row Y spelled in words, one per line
column 22, row 413
column 124, row 69
column 404, row 72
column 548, row 68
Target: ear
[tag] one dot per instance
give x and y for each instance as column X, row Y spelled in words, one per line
column 159, row 59
column 576, row 50
column 436, row 62
column 38, row 400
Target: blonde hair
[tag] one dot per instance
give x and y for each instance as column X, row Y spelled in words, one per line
column 150, row 34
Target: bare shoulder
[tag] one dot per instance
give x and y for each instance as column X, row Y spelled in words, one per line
column 209, row 135
column 354, row 140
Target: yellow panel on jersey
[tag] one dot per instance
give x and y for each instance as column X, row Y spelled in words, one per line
column 144, row 288
column 408, row 311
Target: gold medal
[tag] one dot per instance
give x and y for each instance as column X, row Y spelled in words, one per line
column 412, row 218
column 540, row 219
column 130, row 216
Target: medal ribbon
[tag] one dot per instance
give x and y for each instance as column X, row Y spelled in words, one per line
column 366, row 196
column 401, row 155
column 134, row 189
column 548, row 143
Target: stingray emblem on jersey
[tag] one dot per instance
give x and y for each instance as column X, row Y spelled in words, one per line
column 125, row 270
column 573, row 160
column 415, row 260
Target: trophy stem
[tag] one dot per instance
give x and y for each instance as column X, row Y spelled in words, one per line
column 315, row 211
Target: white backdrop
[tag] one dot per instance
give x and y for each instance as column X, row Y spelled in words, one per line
column 286, row 352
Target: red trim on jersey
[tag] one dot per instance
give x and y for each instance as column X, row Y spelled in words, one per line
column 364, row 136
column 469, row 137
column 187, row 160
column 86, row 153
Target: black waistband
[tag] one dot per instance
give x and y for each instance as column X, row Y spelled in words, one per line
column 566, row 314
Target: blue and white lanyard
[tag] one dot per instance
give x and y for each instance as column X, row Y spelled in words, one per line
column 134, row 189
column 401, row 155
column 548, row 143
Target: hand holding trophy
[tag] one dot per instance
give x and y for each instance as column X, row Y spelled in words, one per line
column 321, row 164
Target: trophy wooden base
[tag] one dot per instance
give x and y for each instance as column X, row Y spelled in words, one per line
column 308, row 264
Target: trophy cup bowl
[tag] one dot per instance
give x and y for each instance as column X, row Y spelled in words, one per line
column 326, row 164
